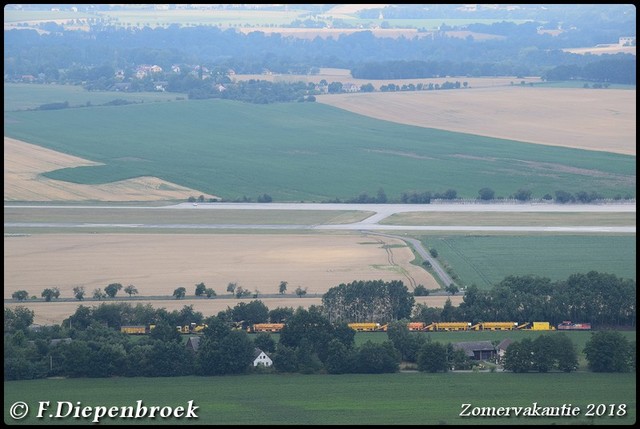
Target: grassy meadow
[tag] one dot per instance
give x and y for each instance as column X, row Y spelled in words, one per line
column 312, row 152
column 391, row 399
column 485, row 260
column 24, row 96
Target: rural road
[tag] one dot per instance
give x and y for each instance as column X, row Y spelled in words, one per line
column 435, row 265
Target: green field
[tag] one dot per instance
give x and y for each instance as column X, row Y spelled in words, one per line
column 23, row 96
column 511, row 219
column 485, row 260
column 391, row 399
column 304, row 152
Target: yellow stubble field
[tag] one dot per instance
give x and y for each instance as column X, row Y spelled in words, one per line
column 157, row 264
column 592, row 119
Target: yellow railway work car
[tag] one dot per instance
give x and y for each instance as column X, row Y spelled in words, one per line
column 416, row 326
column 364, row 327
column 136, row 329
column 266, row 327
column 495, row 326
column 542, row 326
column 448, row 326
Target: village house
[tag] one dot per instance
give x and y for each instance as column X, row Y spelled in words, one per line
column 193, row 343
column 502, row 348
column 261, row 358
column 350, row 87
column 477, row 350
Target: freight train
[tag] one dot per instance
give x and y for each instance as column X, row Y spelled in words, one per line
column 457, row 326
column 192, row 328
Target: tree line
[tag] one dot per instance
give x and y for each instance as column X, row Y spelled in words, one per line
column 602, row 299
column 484, row 194
column 77, row 57
column 112, row 289
column 309, row 343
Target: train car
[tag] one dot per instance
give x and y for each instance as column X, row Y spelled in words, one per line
column 495, row 326
column 416, row 326
column 192, row 328
column 136, row 329
column 265, row 327
column 567, row 325
column 448, row 326
column 541, row 326
column 365, row 326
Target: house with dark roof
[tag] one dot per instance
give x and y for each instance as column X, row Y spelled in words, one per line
column 477, row 350
column 193, row 343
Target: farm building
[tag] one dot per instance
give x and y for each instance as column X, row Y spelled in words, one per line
column 193, row 343
column 261, row 358
column 477, row 350
column 502, row 347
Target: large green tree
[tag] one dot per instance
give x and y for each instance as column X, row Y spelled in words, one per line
column 112, row 289
column 609, row 351
column 229, row 354
column 17, row 319
column 20, row 295
column 377, row 358
column 180, row 292
column 432, row 357
column 368, row 301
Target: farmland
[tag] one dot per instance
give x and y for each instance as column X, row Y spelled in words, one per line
column 100, row 187
column 23, row 180
column 289, row 159
column 605, row 120
column 24, row 96
column 303, row 159
column 485, row 260
column 402, row 398
column 158, row 263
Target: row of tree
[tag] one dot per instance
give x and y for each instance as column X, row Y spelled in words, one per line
column 621, row 70
column 309, row 343
column 484, row 194
column 112, row 289
column 606, row 351
column 74, row 57
column 602, row 299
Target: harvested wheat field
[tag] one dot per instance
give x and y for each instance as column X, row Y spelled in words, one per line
column 592, row 119
column 24, row 162
column 50, row 313
column 157, row 264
